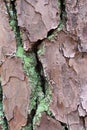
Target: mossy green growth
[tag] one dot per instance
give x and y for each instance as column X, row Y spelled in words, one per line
column 38, row 100
column 43, row 100
column 52, row 36
column 29, row 127
column 58, row 29
column 37, row 97
column 60, row 26
column 43, row 106
column 13, row 21
column 41, row 49
column 64, row 128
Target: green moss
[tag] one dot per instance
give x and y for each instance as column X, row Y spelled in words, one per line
column 29, row 127
column 29, row 65
column 61, row 23
column 52, row 36
column 38, row 100
column 43, row 106
column 60, row 26
column 65, row 127
column 58, row 29
column 20, row 52
column 41, row 49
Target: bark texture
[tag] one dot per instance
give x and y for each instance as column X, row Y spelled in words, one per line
column 43, row 60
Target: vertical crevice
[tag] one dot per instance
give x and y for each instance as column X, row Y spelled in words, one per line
column 11, row 10
column 34, row 70
column 82, row 120
column 39, row 67
column 63, row 11
column 3, row 120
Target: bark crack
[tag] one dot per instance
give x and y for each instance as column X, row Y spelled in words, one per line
column 41, row 94
column 3, row 120
column 63, row 18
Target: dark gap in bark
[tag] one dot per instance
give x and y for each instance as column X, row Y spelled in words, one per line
column 12, row 13
column 39, row 67
column 65, row 126
column 50, row 32
column 31, row 116
column 7, row 7
column 63, row 11
column 3, row 120
column 62, row 4
column 51, row 116
column 83, row 122
column 16, row 29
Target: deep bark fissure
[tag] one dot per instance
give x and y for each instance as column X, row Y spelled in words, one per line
column 3, row 120
column 50, row 32
column 39, row 67
column 11, row 9
column 12, row 13
column 83, row 121
column 63, row 11
column 63, row 19
column 64, row 126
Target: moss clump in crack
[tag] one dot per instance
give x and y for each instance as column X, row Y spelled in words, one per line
column 41, row 49
column 39, row 101
column 29, row 65
column 58, row 29
column 62, row 22
column 11, row 10
column 3, row 121
column 43, row 106
column 65, row 126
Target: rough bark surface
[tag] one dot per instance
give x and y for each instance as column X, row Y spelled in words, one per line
column 37, row 17
column 48, row 123
column 43, row 60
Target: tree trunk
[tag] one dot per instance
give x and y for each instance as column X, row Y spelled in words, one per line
column 43, row 60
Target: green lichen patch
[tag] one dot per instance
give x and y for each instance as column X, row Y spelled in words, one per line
column 41, row 49
column 39, row 101
column 29, row 65
column 63, row 19
column 60, row 26
column 52, row 36
column 29, row 127
column 43, row 106
column 55, row 33
column 38, row 98
column 10, row 5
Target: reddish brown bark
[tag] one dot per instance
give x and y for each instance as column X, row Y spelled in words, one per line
column 63, row 59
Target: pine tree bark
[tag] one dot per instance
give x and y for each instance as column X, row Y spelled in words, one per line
column 43, row 59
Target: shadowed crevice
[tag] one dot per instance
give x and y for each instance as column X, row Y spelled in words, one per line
column 3, row 120
column 63, row 15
